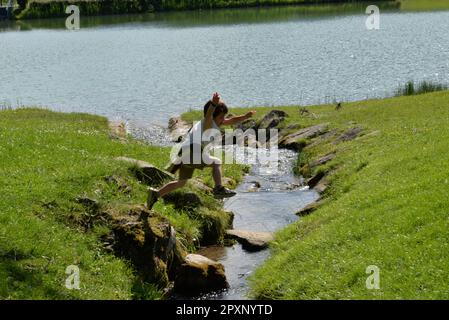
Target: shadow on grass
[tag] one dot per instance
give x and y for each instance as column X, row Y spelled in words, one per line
column 20, row 280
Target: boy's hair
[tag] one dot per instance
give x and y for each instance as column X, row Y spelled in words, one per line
column 219, row 109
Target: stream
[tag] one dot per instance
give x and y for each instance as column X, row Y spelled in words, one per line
column 268, row 208
column 266, row 201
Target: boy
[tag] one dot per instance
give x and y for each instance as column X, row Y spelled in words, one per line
column 192, row 156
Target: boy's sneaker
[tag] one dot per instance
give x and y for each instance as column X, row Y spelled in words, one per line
column 223, row 192
column 152, row 198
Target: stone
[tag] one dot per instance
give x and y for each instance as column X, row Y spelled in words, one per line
column 247, row 124
column 250, row 240
column 286, row 130
column 200, row 185
column 254, row 187
column 313, row 181
column 214, row 252
column 249, row 136
column 308, row 209
column 228, row 182
column 146, row 172
column 199, row 274
column 296, row 140
column 149, row 241
column 272, row 119
column 322, row 186
column 328, row 157
column 178, row 128
column 321, row 139
column 350, row 134
column 256, row 184
column 117, row 130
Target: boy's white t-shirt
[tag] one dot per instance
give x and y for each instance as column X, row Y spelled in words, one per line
column 195, row 142
column 196, row 136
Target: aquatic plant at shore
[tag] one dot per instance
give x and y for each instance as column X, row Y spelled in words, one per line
column 412, row 88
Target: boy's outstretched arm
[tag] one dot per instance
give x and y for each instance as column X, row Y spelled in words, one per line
column 237, row 119
column 210, row 111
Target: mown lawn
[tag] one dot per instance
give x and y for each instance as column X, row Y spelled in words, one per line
column 47, row 159
column 387, row 206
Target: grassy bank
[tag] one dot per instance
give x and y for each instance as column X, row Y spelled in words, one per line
column 386, row 206
column 424, row 5
column 49, row 159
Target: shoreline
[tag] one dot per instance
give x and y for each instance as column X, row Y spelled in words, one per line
column 54, row 9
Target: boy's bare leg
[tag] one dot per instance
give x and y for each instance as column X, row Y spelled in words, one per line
column 216, row 174
column 154, row 195
column 169, row 187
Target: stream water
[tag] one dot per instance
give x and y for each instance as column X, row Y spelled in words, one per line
column 268, row 208
column 266, row 201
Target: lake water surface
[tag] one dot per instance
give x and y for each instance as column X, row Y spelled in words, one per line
column 146, row 68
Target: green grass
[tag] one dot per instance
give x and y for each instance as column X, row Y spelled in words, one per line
column 47, row 160
column 424, row 5
column 387, row 206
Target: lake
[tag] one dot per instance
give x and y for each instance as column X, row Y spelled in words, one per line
column 146, row 68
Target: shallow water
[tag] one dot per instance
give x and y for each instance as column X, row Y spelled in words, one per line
column 146, row 68
column 268, row 209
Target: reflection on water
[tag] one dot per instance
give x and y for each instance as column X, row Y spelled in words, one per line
column 209, row 17
column 232, row 15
